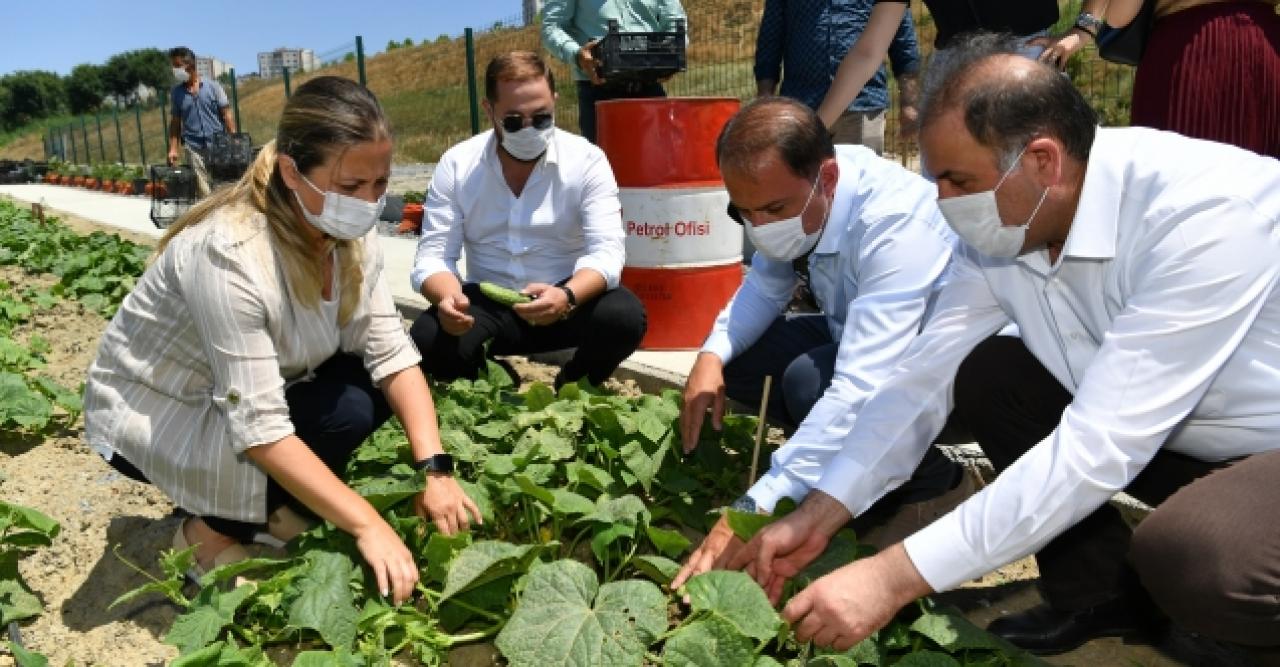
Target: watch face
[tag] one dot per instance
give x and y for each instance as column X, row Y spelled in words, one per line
column 437, row 463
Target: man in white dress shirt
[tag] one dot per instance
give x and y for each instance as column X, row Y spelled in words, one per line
column 536, row 210
column 1140, row 267
column 866, row 237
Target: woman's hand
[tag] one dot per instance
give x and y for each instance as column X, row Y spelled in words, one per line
column 446, row 504
column 390, row 560
column 1058, row 49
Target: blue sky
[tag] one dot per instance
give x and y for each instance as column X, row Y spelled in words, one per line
column 58, row 36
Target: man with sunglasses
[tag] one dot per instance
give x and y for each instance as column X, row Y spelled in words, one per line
column 535, row 209
column 869, row 236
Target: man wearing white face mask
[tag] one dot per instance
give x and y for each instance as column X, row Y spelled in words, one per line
column 536, row 210
column 1140, row 267
column 873, row 247
column 200, row 110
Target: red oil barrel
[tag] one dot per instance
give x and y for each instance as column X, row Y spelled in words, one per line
column 683, row 252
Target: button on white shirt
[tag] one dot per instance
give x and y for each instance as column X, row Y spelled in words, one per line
column 1168, row 277
column 874, row 273
column 566, row 219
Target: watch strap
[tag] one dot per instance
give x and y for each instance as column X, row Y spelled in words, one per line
column 442, row 463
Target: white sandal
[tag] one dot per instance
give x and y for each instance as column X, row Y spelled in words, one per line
column 232, row 554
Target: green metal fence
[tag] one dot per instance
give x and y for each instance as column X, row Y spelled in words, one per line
column 428, row 89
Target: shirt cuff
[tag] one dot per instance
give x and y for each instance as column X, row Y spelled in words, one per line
column 718, row 343
column 942, row 555
column 425, row 268
column 773, row 486
column 850, row 483
column 611, row 274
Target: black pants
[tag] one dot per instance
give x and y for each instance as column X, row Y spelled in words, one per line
column 1010, row 402
column 589, row 94
column 799, row 353
column 605, row 331
column 332, row 414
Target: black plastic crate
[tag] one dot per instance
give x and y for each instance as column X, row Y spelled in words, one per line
column 640, row 56
column 173, row 191
column 229, row 155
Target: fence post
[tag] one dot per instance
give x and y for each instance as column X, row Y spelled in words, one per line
column 287, row 91
column 471, row 83
column 142, row 138
column 164, row 126
column 360, row 60
column 102, row 145
column 235, row 100
column 75, row 153
column 84, row 131
column 115, row 114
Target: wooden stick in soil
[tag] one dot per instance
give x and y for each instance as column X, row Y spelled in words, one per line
column 755, row 452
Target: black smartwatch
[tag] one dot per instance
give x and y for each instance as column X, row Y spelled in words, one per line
column 438, row 463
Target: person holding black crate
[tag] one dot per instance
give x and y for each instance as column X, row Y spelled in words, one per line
column 570, row 30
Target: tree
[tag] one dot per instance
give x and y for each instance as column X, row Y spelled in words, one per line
column 443, row 39
column 33, row 94
column 408, row 42
column 393, row 45
column 349, row 57
column 85, row 88
column 124, row 72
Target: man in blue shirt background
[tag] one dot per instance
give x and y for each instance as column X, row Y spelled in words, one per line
column 809, row 38
column 200, row 111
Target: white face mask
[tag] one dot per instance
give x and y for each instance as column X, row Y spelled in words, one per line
column 345, row 218
column 181, row 75
column 785, row 240
column 976, row 219
column 528, row 143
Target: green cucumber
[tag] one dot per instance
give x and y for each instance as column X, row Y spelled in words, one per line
column 504, row 296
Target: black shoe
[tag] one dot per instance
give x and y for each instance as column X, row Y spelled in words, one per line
column 1043, row 630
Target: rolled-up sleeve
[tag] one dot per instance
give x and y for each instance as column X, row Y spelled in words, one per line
column 602, row 221
column 557, row 16
column 377, row 332
column 440, row 244
column 761, row 298
column 230, row 318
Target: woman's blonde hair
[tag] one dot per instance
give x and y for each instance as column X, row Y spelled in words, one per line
column 322, row 119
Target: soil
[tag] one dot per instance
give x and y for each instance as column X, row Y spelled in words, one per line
column 112, row 526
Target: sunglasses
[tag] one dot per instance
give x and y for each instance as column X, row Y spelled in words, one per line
column 514, row 122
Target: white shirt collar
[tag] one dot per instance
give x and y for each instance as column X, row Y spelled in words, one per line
column 1093, row 229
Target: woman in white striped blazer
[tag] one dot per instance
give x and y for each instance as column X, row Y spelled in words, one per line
column 262, row 346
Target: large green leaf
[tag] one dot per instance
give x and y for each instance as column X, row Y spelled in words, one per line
column 927, row 659
column 485, row 561
column 568, row 503
column 841, row 550
column 565, row 618
column 668, row 542
column 20, row 405
column 210, row 612
column 441, row 551
column 954, row 633
column 16, row 602
column 325, row 602
column 657, row 568
column 708, row 642
column 736, row 598
column 398, row 483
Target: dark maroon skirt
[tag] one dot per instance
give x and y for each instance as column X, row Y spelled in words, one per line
column 1213, row 72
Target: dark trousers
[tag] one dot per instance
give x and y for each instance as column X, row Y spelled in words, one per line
column 589, row 94
column 1209, row 555
column 605, row 331
column 799, row 353
column 332, row 414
